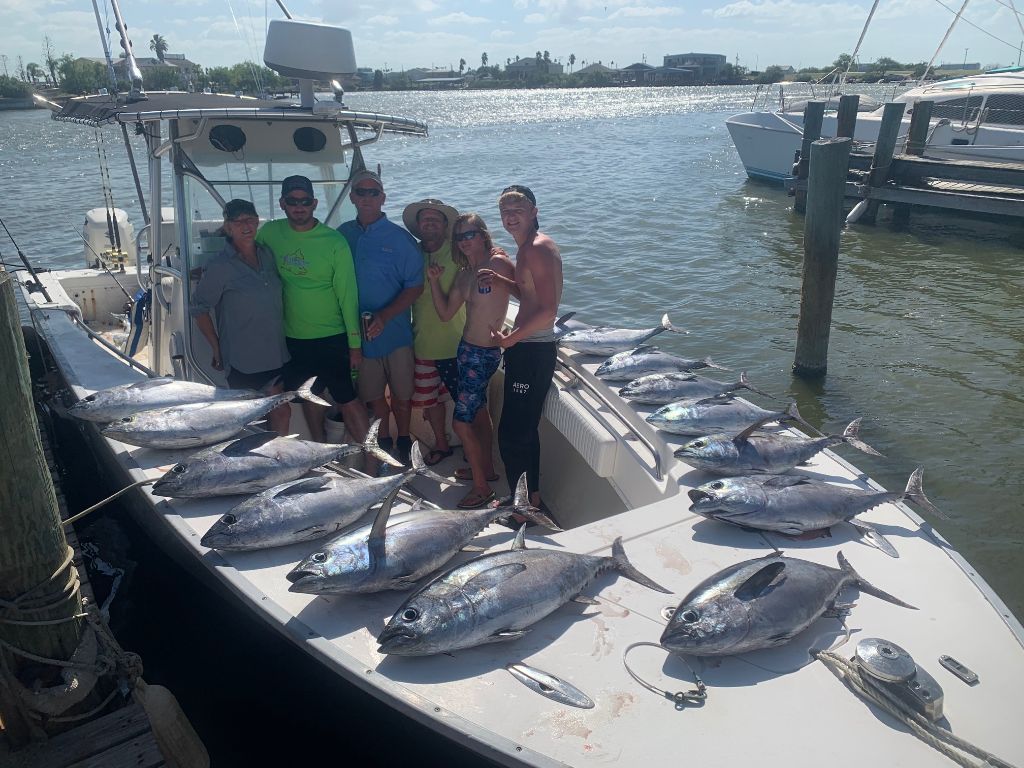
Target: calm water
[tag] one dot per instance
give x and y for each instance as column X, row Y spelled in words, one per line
column 649, row 203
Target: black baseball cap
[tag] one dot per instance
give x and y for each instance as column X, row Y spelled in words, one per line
column 235, row 208
column 526, row 191
column 293, row 183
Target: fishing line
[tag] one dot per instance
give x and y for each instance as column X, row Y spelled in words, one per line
column 107, row 500
column 695, row 696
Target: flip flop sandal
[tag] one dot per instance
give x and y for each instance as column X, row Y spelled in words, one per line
column 466, row 473
column 436, row 456
column 474, row 500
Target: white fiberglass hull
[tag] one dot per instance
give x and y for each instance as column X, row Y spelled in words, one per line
column 774, row 707
column 767, row 141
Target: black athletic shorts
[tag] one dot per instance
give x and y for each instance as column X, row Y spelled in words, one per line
column 325, row 358
column 257, row 381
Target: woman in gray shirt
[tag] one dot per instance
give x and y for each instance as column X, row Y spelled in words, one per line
column 241, row 287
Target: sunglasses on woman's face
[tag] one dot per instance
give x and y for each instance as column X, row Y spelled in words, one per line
column 294, row 202
column 367, row 191
column 469, row 234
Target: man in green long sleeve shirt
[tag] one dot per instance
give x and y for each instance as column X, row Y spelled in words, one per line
column 321, row 306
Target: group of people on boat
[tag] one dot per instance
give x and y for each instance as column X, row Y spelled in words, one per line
column 389, row 319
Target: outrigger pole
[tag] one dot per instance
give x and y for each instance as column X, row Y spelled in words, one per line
column 126, row 44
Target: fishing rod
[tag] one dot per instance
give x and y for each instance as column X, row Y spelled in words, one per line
column 24, row 260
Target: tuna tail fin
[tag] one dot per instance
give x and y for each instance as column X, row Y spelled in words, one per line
column 865, row 586
column 371, row 447
column 915, row 492
column 306, row 393
column 419, row 467
column 521, row 506
column 667, row 325
column 792, row 414
column 851, row 436
column 744, row 383
column 626, row 568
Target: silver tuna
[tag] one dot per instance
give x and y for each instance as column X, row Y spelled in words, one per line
column 496, row 597
column 198, row 424
column 307, row 509
column 793, row 505
column 664, row 388
column 708, row 415
column 605, row 341
column 762, row 454
column 760, row 603
column 396, row 552
column 646, row 360
column 128, row 399
column 255, row 463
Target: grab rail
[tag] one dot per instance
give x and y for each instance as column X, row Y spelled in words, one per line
column 76, row 317
column 579, row 376
column 158, row 290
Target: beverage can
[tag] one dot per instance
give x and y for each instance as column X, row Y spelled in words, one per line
column 366, row 318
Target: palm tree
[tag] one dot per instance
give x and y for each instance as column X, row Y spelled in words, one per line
column 462, row 66
column 158, row 46
column 572, row 60
column 483, row 59
column 547, row 56
column 33, row 72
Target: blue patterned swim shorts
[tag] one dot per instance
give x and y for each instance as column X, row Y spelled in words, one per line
column 476, row 366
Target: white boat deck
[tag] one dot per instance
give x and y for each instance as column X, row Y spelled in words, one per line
column 772, row 707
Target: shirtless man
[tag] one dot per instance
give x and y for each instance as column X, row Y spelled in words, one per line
column 530, row 347
column 485, row 279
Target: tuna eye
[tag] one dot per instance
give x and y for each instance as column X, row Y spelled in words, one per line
column 410, row 614
column 90, row 398
column 689, row 616
column 178, row 469
column 698, row 443
column 319, row 557
column 126, row 420
column 718, row 485
column 229, row 519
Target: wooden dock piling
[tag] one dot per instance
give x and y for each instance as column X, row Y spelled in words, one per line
column 37, row 580
column 885, row 146
column 822, row 228
column 846, row 117
column 814, row 113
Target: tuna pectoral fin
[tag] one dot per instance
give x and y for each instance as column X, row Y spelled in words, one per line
column 309, row 485
column 865, row 586
column 627, row 569
column 742, row 436
column 248, row 444
column 584, row 600
column 756, row 585
column 380, row 523
column 492, row 577
column 565, row 318
column 505, row 635
column 873, row 537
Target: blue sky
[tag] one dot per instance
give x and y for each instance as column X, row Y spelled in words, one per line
column 401, row 34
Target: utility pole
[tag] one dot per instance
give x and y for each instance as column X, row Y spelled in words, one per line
column 4, row 57
column 965, row 59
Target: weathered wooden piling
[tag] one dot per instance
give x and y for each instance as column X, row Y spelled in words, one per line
column 814, row 113
column 885, row 146
column 822, row 228
column 38, row 583
column 846, row 117
column 917, row 139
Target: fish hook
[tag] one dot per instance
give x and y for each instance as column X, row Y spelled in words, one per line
column 681, row 699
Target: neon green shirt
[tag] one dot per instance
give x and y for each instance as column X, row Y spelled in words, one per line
column 432, row 339
column 320, row 294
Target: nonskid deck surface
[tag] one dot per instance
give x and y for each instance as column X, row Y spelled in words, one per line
column 773, row 704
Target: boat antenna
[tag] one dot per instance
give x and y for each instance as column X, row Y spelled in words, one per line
column 106, row 49
column 943, row 42
column 856, row 48
column 24, row 260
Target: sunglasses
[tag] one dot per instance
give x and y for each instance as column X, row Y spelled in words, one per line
column 367, row 191
column 469, row 234
column 305, row 202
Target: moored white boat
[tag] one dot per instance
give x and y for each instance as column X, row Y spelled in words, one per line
column 607, row 474
column 974, row 118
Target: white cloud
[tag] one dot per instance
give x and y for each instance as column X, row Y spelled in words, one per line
column 776, row 9
column 457, row 18
column 502, row 34
column 644, row 12
column 384, row 21
column 535, row 18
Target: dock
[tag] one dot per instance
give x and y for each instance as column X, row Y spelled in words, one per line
column 909, row 179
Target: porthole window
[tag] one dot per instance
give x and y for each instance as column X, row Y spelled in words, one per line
column 227, row 138
column 309, row 139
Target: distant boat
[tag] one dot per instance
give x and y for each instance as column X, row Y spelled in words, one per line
column 980, row 117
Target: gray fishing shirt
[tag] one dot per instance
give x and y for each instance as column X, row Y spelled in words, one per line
column 248, row 307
